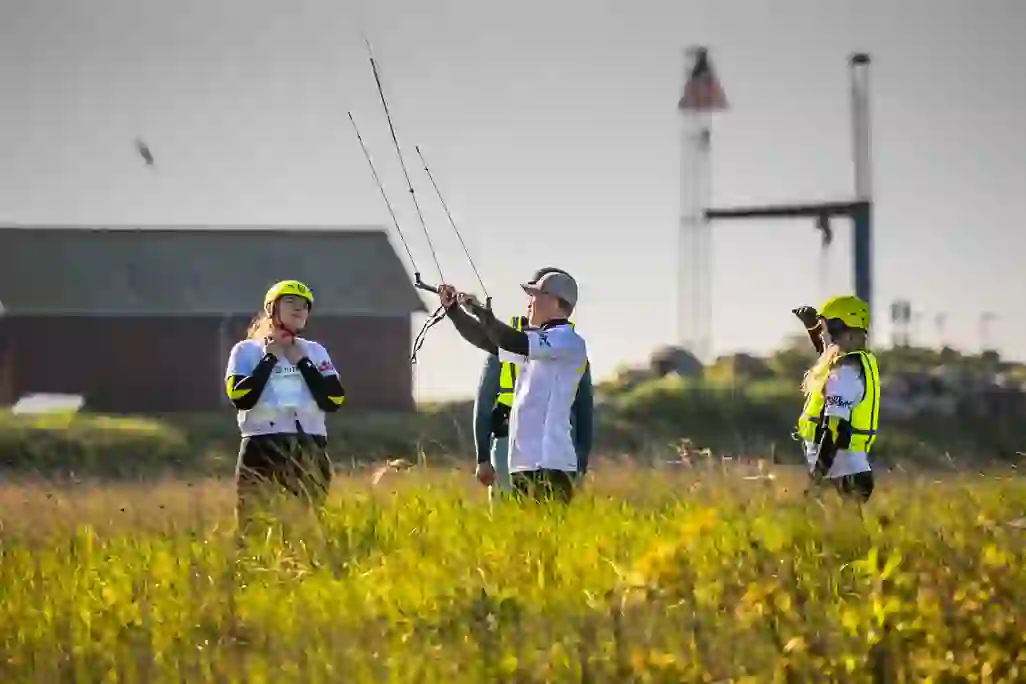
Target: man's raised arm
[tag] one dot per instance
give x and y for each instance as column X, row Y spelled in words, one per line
column 471, row 329
column 466, row 325
column 501, row 335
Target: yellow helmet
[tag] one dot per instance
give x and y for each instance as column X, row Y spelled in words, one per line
column 287, row 287
column 848, row 309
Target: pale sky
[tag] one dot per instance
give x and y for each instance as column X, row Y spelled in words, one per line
column 552, row 130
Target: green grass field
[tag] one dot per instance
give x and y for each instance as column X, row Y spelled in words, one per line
column 650, row 576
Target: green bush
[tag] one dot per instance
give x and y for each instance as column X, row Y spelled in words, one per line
column 724, row 419
column 129, row 447
column 758, row 418
column 644, row 419
column 94, row 445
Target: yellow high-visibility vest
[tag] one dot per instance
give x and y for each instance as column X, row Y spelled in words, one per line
column 864, row 415
column 508, row 371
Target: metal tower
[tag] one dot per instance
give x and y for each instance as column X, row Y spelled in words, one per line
column 859, row 208
column 702, row 97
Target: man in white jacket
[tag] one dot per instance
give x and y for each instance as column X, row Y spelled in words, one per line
column 551, row 359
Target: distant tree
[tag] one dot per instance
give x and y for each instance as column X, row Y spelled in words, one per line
column 670, row 359
column 793, row 358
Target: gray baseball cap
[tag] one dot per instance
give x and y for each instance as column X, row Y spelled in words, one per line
column 557, row 284
column 542, row 271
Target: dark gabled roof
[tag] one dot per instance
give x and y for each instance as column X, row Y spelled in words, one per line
column 182, row 271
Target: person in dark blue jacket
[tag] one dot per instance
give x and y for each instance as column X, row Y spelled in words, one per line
column 495, row 399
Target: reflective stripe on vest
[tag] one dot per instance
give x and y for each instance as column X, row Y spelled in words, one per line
column 864, row 416
column 508, row 371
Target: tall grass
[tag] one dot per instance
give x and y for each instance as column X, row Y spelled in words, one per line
column 647, row 576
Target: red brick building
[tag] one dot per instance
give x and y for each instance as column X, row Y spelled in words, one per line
column 141, row 320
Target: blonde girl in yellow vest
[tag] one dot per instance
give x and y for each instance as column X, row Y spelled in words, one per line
column 838, row 424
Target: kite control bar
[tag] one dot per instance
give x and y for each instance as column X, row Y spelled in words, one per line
column 421, row 285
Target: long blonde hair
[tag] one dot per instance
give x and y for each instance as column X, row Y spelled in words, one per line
column 260, row 327
column 815, row 378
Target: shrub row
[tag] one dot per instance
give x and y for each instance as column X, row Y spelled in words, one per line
column 124, row 447
column 648, row 420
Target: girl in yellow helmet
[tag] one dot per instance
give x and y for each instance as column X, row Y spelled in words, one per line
column 282, row 385
column 838, row 424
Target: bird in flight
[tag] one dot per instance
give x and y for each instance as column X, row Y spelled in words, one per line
column 144, row 152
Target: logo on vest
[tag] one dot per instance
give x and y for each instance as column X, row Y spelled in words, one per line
column 543, row 340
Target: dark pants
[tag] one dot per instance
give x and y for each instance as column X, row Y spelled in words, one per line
column 543, row 485
column 858, row 487
column 297, row 465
